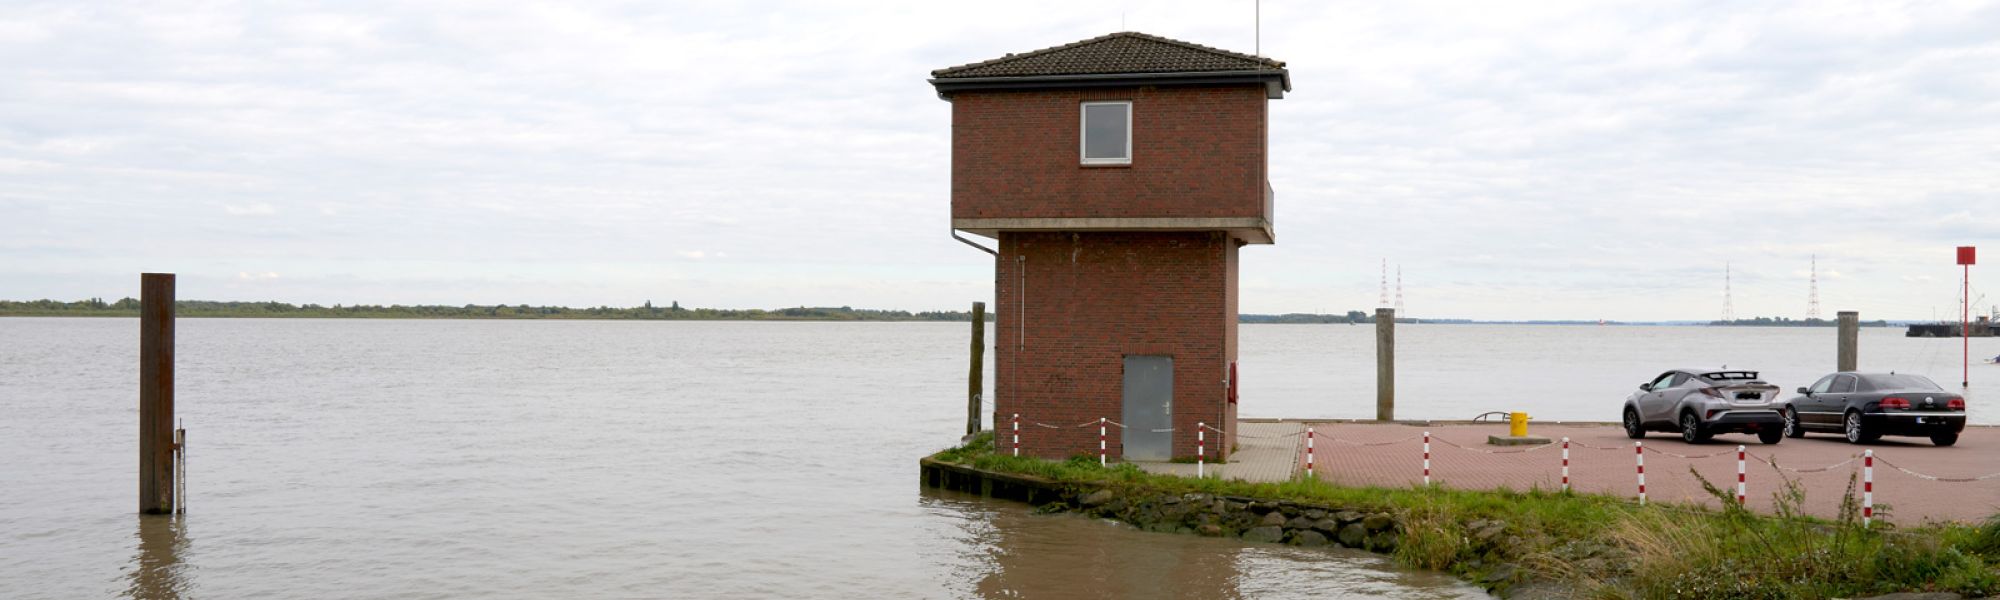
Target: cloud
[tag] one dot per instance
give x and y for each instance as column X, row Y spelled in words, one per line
column 250, row 209
column 1524, row 161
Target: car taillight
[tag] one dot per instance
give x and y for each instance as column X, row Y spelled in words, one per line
column 1894, row 402
column 1955, row 404
column 1712, row 392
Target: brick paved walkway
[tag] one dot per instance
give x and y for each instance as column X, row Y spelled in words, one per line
column 1264, row 452
column 1341, row 458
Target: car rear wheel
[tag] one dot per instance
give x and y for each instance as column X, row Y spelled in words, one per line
column 1691, row 431
column 1792, row 426
column 1632, row 428
column 1770, row 436
column 1944, row 439
column 1857, row 431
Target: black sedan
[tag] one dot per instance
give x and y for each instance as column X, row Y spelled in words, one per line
column 1866, row 406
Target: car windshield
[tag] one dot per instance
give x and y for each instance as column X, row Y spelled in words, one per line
column 1900, row 382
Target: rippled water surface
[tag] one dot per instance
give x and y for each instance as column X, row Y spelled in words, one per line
column 555, row 459
column 679, row 459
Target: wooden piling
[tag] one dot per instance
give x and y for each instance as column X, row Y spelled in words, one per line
column 156, row 393
column 1850, row 335
column 976, row 381
column 1385, row 364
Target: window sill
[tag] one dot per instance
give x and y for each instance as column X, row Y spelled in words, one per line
column 1107, row 165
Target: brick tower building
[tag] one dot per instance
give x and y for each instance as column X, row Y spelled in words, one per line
column 1119, row 175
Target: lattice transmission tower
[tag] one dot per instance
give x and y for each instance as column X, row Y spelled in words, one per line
column 1728, row 303
column 1399, row 291
column 1383, row 299
column 1812, row 297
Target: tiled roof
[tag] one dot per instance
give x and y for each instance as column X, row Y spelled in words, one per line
column 1123, row 52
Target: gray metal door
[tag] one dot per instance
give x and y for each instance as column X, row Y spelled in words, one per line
column 1149, row 407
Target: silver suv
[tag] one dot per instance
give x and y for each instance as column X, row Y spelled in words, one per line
column 1700, row 403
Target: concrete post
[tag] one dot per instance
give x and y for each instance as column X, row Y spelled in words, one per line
column 1850, row 335
column 976, row 382
column 1385, row 364
column 156, row 393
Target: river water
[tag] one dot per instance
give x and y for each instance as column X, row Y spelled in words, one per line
column 377, row 458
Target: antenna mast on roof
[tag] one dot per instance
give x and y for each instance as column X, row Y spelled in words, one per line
column 1258, row 27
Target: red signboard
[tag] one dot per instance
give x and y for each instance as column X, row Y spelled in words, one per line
column 1965, row 255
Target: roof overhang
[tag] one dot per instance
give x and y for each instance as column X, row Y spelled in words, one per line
column 1254, row 230
column 1275, row 81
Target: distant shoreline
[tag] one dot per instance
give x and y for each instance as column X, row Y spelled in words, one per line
column 209, row 309
column 198, row 309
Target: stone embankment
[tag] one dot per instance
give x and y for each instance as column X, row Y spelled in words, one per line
column 1488, row 551
column 1250, row 519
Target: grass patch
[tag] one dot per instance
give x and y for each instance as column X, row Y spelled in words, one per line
column 1606, row 546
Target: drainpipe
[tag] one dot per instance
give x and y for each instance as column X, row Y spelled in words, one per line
column 955, row 236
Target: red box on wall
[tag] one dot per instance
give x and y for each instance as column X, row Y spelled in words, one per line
column 1965, row 255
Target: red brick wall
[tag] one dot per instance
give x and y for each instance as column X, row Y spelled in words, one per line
column 1070, row 306
column 1196, row 152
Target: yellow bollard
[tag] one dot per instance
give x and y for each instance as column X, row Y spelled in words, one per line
column 1517, row 424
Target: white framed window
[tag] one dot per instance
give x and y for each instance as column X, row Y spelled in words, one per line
column 1107, row 133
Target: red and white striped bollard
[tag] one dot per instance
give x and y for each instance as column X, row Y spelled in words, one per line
column 1639, row 450
column 1427, row 459
column 1565, row 464
column 1200, row 449
column 1741, row 497
column 1867, row 488
column 1309, row 453
column 1100, row 443
column 1017, row 434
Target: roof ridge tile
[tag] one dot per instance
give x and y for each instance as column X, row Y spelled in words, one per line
column 1119, row 52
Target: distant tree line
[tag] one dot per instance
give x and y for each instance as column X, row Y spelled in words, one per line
column 129, row 307
column 1788, row 322
column 1352, row 317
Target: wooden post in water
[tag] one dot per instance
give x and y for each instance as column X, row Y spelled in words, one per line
column 156, row 393
column 976, row 381
column 1850, row 336
column 1385, row 364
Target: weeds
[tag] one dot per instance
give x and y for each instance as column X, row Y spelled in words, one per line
column 1608, row 547
column 1738, row 554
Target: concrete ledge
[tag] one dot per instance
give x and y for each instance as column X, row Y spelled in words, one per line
column 1006, row 486
column 1508, row 440
column 1255, row 230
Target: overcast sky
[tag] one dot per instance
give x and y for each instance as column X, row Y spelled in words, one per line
column 1517, row 160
